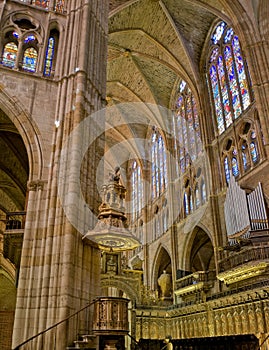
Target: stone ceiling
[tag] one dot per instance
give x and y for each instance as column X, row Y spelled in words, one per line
column 152, row 44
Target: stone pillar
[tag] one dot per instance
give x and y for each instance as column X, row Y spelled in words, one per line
column 59, row 275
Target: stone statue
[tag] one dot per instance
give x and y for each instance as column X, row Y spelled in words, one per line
column 165, row 283
column 116, row 175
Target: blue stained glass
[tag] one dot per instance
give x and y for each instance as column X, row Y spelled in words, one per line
column 226, row 169
column 218, row 32
column 16, row 35
column 235, row 169
column 228, row 35
column 29, row 38
column 29, row 59
column 214, row 54
column 232, row 81
column 253, row 152
column 241, row 72
column 224, row 93
column 244, row 157
column 49, row 56
column 182, row 85
column 186, row 203
column 197, row 197
column 216, row 98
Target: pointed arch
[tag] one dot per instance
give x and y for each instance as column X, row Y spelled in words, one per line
column 28, row 131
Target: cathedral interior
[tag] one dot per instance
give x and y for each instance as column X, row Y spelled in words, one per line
column 134, row 174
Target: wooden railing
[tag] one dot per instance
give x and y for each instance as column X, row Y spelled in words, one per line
column 253, row 253
column 194, row 278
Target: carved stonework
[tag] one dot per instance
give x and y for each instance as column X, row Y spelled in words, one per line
column 36, row 185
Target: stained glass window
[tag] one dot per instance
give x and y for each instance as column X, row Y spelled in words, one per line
column 42, row 3
column 235, row 169
column 253, row 152
column 227, row 169
column 186, row 204
column 59, row 7
column 187, row 128
column 10, row 54
column 203, row 191
column 228, row 78
column 136, row 191
column 30, row 59
column 197, row 196
column 158, row 164
column 49, row 56
column 244, row 156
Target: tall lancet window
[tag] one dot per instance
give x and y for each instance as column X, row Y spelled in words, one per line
column 187, row 128
column 228, row 78
column 158, row 164
column 136, row 191
column 51, row 53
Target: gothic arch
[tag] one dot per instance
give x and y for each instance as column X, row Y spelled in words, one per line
column 162, row 262
column 28, row 131
column 131, row 290
column 199, row 251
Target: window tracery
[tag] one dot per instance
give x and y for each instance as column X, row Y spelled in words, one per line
column 158, row 164
column 187, row 129
column 136, row 191
column 228, row 77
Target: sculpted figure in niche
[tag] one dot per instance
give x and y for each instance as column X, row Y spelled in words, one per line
column 111, row 266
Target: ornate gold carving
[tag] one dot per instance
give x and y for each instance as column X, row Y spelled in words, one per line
column 242, row 273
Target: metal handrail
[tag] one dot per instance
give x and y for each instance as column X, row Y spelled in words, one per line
column 53, row 326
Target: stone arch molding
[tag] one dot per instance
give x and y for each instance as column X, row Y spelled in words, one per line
column 131, row 288
column 162, row 249
column 27, row 129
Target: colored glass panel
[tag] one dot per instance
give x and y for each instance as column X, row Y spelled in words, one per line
column 197, row 197
column 244, row 157
column 235, row 169
column 218, row 32
column 42, row 3
column 29, row 38
column 253, row 152
column 29, row 59
column 234, row 91
column 182, row 86
column 228, row 36
column 226, row 169
column 186, row 203
column 241, row 72
column 10, row 54
column 49, row 56
column 224, row 93
column 203, row 192
column 216, row 98
column 214, row 54
column 59, row 7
